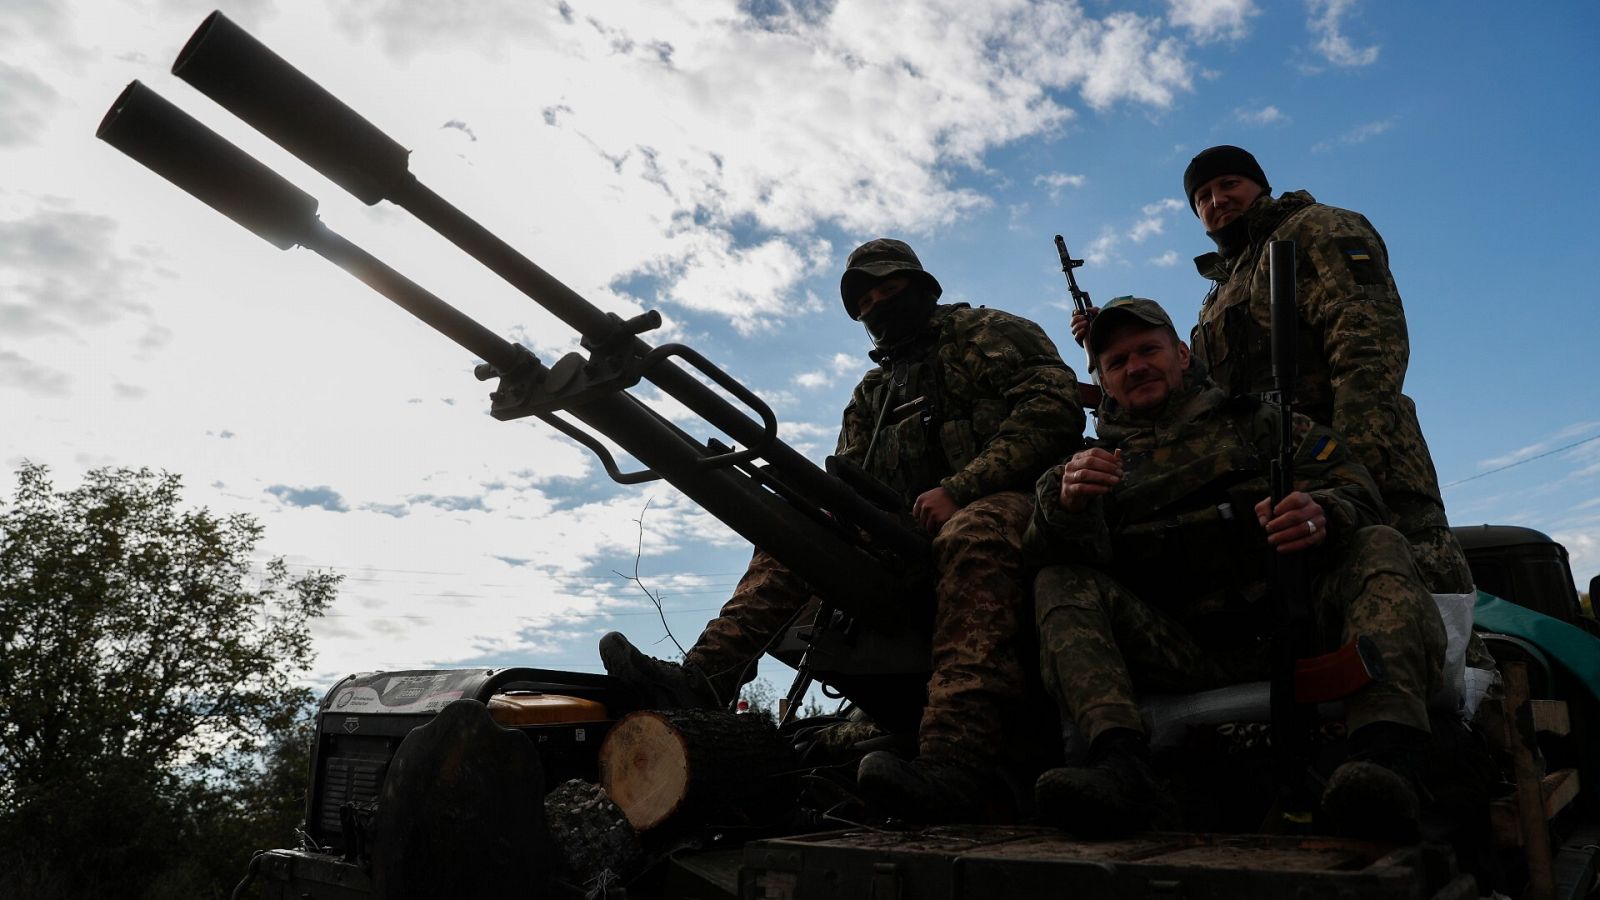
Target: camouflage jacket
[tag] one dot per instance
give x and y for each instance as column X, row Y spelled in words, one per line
column 1353, row 347
column 1182, row 522
column 985, row 406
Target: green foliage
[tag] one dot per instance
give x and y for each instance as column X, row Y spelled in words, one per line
column 148, row 709
column 763, row 699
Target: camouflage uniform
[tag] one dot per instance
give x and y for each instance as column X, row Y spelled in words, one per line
column 1155, row 587
column 1352, row 360
column 980, row 411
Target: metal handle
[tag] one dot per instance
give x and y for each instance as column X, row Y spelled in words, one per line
column 769, row 421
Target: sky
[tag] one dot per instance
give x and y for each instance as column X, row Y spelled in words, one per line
column 716, row 161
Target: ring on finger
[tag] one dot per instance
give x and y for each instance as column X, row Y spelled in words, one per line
column 1311, row 527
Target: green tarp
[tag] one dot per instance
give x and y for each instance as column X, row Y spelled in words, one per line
column 1576, row 651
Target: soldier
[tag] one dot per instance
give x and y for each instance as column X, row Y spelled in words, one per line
column 1158, row 576
column 964, row 409
column 1354, row 346
column 1353, row 342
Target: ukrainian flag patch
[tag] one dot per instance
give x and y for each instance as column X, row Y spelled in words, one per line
column 1361, row 260
column 1324, row 448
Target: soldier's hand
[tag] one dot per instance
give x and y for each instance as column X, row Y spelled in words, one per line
column 1089, row 473
column 934, row 508
column 1080, row 324
column 1297, row 524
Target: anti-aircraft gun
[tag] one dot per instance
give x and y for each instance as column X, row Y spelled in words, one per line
column 862, row 559
column 466, row 819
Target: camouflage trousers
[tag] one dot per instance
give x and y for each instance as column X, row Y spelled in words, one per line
column 980, row 598
column 1439, row 555
column 1100, row 645
column 1441, row 560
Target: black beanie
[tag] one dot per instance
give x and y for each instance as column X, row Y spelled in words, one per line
column 1225, row 159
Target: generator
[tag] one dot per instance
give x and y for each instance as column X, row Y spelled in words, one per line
column 362, row 720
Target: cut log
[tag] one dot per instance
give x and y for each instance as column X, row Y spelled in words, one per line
column 664, row 765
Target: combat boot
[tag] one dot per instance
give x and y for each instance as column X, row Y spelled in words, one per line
column 926, row 789
column 1114, row 795
column 1374, row 795
column 656, row 683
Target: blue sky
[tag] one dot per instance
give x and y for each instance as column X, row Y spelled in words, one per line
column 716, row 161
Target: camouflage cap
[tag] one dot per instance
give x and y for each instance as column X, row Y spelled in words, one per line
column 880, row 258
column 1119, row 312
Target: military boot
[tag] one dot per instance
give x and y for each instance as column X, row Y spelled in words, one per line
column 656, row 683
column 925, row 789
column 1374, row 794
column 1113, row 795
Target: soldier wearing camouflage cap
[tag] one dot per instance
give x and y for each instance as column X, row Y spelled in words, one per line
column 964, row 409
column 1354, row 346
column 1157, row 577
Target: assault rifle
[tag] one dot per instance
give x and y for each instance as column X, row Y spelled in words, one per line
column 863, row 560
column 1300, row 681
column 1088, row 395
column 1291, row 718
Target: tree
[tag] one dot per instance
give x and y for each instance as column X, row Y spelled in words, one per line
column 142, row 659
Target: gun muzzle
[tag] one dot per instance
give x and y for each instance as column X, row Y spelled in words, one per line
column 170, row 142
column 1285, row 316
column 227, row 64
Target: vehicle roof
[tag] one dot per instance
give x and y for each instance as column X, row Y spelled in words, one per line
column 1483, row 537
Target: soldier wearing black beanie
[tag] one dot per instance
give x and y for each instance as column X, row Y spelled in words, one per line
column 1224, row 159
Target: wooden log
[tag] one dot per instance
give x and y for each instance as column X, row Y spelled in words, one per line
column 661, row 766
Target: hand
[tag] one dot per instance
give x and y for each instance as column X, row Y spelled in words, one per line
column 1080, row 325
column 1089, row 473
column 934, row 508
column 1299, row 522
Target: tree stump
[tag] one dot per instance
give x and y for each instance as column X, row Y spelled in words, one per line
column 661, row 766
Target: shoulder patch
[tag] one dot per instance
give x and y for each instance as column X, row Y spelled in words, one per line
column 1361, row 260
column 1324, row 448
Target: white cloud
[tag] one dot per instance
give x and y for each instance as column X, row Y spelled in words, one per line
column 1266, row 115
column 1153, row 219
column 24, row 99
column 1326, row 22
column 1165, row 260
column 1017, row 217
column 687, row 114
column 1056, row 181
column 842, row 366
column 1360, row 134
column 1212, row 20
column 1150, row 221
column 1103, row 248
column 747, row 286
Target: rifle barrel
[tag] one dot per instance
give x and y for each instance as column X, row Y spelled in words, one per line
column 1285, row 320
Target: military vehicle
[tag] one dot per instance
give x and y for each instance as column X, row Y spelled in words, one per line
column 437, row 783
